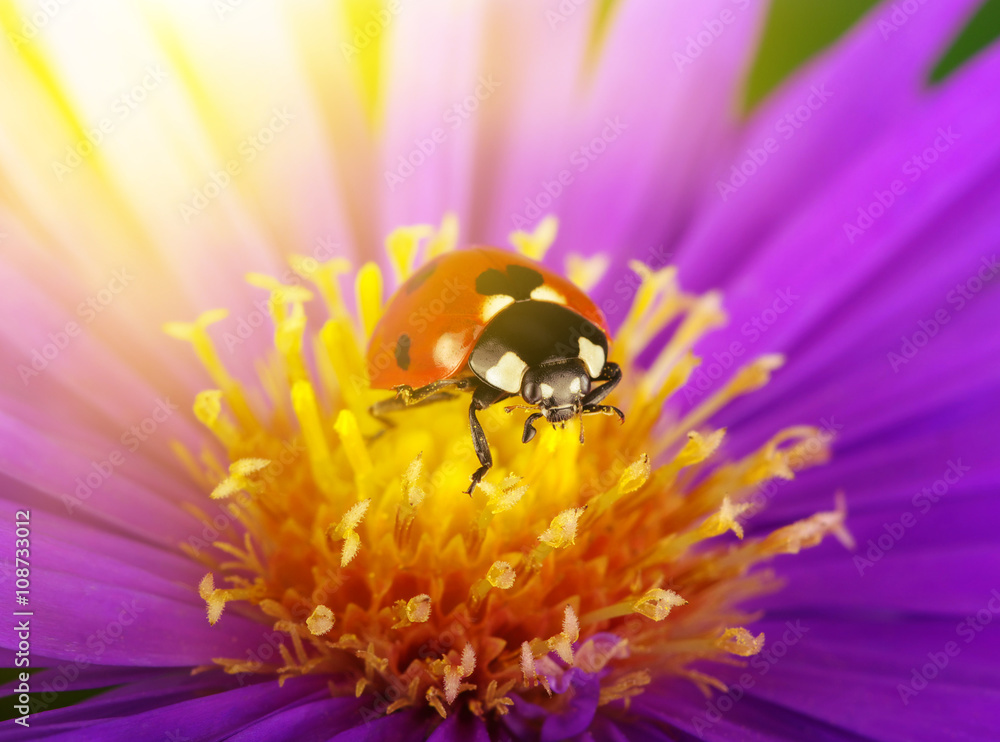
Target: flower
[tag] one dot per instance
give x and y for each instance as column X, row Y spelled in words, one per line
column 821, row 218
column 379, row 573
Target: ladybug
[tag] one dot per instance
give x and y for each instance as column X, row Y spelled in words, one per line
column 500, row 325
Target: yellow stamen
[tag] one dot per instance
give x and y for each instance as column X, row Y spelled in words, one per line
column 345, row 530
column 325, row 276
column 402, row 245
column 369, row 291
column 625, row 688
column 562, row 643
column 562, row 531
column 528, row 664
column 501, row 575
column 196, row 333
column 586, row 272
column 320, row 621
column 414, row 610
column 536, row 244
column 741, row 642
column 657, row 603
column 360, row 547
column 445, row 239
column 240, row 478
column 453, row 674
column 354, row 447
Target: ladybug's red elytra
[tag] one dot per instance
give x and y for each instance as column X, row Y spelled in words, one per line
column 499, row 325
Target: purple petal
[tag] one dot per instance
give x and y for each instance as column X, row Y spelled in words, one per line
column 461, row 727
column 829, row 138
column 814, row 666
column 897, row 568
column 678, row 705
column 681, row 112
column 159, row 687
column 897, row 272
column 404, row 726
column 99, row 485
column 575, row 717
column 862, row 665
column 212, row 717
column 630, row 152
column 323, row 718
column 72, row 676
column 578, row 693
column 92, row 607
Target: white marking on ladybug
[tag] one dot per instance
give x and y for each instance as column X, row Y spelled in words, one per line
column 547, row 391
column 494, row 304
column 592, row 356
column 574, row 385
column 448, row 350
column 547, row 293
column 507, row 373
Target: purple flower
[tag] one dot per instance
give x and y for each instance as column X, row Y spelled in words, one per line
column 837, row 250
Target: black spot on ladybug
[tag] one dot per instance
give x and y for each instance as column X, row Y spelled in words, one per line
column 417, row 279
column 403, row 352
column 517, row 282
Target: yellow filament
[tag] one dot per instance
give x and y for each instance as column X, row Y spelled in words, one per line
column 360, row 546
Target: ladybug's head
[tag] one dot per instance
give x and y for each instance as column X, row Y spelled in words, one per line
column 557, row 389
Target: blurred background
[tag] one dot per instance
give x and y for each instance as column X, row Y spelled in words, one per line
column 797, row 30
column 793, row 33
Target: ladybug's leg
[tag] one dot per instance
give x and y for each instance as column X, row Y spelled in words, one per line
column 612, row 374
column 529, row 427
column 603, row 409
column 483, row 397
column 409, row 397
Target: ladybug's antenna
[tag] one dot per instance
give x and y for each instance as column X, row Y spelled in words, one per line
column 511, row 408
column 529, row 428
